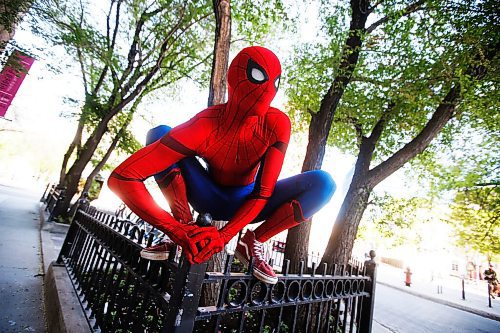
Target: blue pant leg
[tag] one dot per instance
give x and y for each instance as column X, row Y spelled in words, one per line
column 205, row 196
column 312, row 189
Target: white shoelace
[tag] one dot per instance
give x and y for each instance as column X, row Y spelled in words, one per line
column 258, row 249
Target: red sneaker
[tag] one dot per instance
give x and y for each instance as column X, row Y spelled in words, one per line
column 249, row 247
column 159, row 251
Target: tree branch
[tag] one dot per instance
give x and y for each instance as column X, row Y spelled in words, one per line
column 133, row 50
column 161, row 56
column 108, row 27
column 357, row 127
column 444, row 112
column 408, row 10
column 82, row 68
column 111, row 46
column 487, row 184
column 136, row 39
column 379, row 126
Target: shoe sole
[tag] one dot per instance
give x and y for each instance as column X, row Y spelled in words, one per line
column 154, row 255
column 256, row 272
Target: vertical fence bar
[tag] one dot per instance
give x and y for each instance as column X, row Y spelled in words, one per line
column 56, row 208
column 42, row 199
column 369, row 302
column 186, row 296
column 68, row 242
column 102, row 255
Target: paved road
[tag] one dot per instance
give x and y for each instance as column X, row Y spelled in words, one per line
column 21, row 307
column 400, row 312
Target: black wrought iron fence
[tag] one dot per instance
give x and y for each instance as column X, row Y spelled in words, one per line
column 51, row 196
column 275, row 250
column 121, row 292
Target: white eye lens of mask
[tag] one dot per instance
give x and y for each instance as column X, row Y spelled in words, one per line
column 277, row 82
column 257, row 75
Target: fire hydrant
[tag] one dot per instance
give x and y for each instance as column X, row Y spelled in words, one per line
column 408, row 274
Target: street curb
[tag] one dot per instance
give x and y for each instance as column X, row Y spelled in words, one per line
column 46, row 228
column 63, row 310
column 444, row 302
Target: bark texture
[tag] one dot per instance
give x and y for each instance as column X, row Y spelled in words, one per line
column 127, row 88
column 342, row 239
column 298, row 238
column 11, row 13
column 216, row 95
column 218, row 81
column 75, row 144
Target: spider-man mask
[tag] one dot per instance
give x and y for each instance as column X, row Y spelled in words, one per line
column 253, row 78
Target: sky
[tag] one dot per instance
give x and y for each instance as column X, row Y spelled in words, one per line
column 36, row 114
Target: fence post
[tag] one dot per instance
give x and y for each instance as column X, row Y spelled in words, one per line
column 184, row 301
column 188, row 282
column 369, row 302
column 42, row 199
column 55, row 210
column 70, row 237
column 489, row 294
column 82, row 202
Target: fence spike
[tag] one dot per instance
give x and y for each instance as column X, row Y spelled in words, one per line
column 250, row 265
column 229, row 263
column 163, row 276
column 287, row 267
column 150, row 239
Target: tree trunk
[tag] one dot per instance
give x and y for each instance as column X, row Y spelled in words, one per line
column 297, row 241
column 104, row 160
column 10, row 15
column 218, row 81
column 342, row 239
column 99, row 166
column 216, row 95
column 345, row 229
column 74, row 144
column 344, row 232
column 73, row 175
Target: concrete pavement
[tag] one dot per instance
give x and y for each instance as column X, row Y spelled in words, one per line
column 476, row 296
column 64, row 312
column 400, row 312
column 21, row 273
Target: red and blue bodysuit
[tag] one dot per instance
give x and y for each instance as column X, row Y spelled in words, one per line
column 243, row 143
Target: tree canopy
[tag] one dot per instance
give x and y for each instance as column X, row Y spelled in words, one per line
column 127, row 49
column 388, row 81
column 476, row 218
column 406, row 67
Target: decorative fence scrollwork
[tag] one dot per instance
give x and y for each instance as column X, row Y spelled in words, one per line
column 122, row 292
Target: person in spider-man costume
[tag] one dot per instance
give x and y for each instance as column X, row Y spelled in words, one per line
column 243, row 143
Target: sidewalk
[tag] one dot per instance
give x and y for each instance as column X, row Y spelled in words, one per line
column 476, row 296
column 21, row 274
column 64, row 311
column 52, row 235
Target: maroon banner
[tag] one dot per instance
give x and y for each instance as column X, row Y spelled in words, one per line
column 11, row 78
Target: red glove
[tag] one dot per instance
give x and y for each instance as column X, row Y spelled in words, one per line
column 210, row 240
column 180, row 235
